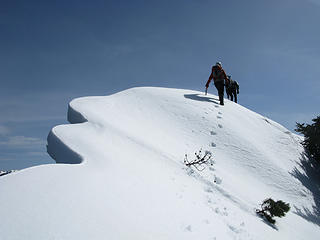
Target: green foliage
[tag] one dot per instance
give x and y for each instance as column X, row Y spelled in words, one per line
column 312, row 137
column 271, row 208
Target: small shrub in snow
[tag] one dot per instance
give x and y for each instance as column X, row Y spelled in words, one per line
column 200, row 160
column 271, row 208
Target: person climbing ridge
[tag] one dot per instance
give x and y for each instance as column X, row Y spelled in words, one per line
column 220, row 79
column 232, row 89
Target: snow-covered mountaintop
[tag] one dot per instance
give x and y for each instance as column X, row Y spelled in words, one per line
column 131, row 182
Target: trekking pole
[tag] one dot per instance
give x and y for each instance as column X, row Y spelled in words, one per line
column 206, row 90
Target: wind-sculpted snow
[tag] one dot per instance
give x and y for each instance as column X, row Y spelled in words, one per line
column 57, row 148
column 60, row 151
column 122, row 174
column 74, row 116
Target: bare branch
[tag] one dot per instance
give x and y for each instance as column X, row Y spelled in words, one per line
column 200, row 161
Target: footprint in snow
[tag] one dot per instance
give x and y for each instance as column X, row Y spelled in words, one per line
column 221, row 213
column 217, row 180
column 220, row 113
column 234, row 229
column 188, row 228
column 213, row 133
column 219, row 125
column 217, row 210
column 219, row 117
column 213, row 144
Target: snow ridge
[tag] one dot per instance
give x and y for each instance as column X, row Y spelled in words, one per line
column 123, row 175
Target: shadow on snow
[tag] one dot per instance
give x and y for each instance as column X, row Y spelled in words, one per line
column 309, row 177
column 263, row 219
column 198, row 97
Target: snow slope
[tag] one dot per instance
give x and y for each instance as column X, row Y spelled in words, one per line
column 122, row 174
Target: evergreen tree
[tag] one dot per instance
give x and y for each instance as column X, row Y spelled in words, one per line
column 312, row 137
column 271, row 208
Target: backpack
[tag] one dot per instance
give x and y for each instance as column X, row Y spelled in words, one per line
column 217, row 73
column 233, row 85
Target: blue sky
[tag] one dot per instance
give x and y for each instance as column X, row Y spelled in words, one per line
column 54, row 51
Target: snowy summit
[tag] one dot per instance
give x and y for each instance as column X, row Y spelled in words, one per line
column 122, row 173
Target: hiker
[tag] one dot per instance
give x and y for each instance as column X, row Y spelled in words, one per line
column 220, row 79
column 227, row 90
column 232, row 89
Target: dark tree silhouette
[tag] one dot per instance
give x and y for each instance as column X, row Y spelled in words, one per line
column 271, row 208
column 311, row 141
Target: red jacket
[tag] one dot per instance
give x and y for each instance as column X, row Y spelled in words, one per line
column 216, row 78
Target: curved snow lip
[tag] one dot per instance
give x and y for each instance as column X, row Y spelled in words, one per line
column 59, row 150
column 74, row 116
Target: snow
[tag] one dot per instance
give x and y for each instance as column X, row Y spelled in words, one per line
column 121, row 173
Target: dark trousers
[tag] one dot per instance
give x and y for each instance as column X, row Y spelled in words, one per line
column 220, row 87
column 234, row 94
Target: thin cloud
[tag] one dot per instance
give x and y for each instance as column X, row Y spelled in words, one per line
column 4, row 159
column 22, row 142
column 37, row 154
column 4, row 130
column 35, row 106
column 316, row 2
